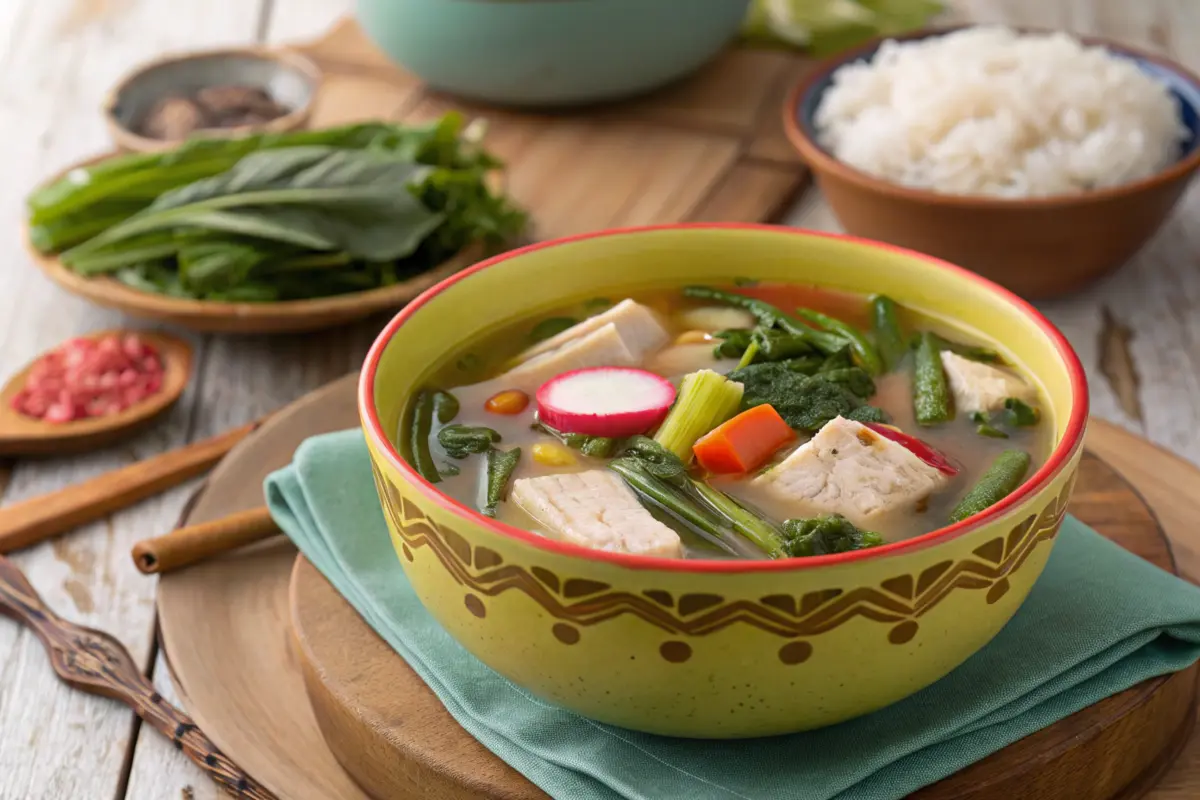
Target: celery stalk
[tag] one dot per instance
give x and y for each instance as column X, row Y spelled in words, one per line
column 706, row 399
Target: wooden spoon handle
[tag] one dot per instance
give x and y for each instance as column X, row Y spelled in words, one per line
column 194, row 543
column 95, row 662
column 38, row 518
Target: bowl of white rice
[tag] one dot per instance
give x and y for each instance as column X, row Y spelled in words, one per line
column 1038, row 159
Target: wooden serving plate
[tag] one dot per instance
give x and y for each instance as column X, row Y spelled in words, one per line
column 710, row 148
column 344, row 699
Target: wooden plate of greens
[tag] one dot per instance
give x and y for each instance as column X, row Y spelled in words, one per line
column 275, row 233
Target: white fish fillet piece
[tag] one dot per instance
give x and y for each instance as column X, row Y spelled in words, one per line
column 595, row 509
column 603, row 347
column 982, row 387
column 638, row 325
column 849, row 469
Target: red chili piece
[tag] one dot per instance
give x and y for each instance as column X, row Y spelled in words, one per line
column 927, row 453
column 90, row 378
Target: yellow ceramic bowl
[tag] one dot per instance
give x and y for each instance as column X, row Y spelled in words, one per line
column 715, row 649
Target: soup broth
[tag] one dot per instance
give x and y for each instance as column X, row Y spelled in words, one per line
column 906, row 476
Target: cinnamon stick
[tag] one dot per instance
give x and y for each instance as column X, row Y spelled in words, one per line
column 194, row 543
column 38, row 518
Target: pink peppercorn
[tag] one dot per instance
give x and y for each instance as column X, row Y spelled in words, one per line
column 90, row 378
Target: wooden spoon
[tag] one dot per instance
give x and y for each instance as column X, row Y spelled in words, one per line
column 95, row 662
column 25, row 436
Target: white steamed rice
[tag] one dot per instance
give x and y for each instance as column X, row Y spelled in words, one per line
column 988, row 111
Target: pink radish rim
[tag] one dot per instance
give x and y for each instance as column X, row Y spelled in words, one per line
column 652, row 415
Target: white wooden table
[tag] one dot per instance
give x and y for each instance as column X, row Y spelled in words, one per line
column 1138, row 333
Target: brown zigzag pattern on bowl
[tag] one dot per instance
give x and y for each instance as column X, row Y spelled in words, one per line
column 581, row 602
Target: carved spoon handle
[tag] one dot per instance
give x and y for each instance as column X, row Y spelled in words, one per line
column 96, row 662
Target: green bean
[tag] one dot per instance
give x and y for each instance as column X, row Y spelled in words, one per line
column 422, row 424
column 886, row 326
column 445, row 406
column 931, row 395
column 500, row 466
column 864, row 352
column 1001, row 479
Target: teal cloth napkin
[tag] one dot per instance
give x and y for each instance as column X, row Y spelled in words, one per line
column 1098, row 621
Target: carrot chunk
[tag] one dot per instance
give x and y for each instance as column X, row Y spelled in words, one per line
column 743, row 443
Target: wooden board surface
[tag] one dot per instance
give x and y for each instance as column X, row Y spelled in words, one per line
column 1138, row 334
column 709, row 148
column 238, row 674
column 393, row 735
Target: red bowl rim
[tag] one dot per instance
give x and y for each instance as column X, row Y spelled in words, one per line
column 815, row 156
column 1072, row 438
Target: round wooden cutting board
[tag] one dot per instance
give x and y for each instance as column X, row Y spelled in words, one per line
column 248, row 667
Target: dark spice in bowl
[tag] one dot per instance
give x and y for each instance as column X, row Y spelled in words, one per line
column 178, row 115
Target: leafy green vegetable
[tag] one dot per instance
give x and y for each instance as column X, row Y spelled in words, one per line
column 854, row 379
column 594, row 446
column 658, row 475
column 548, row 328
column 865, row 353
column 597, row 446
column 990, row 431
column 279, row 216
column 806, row 403
column 984, row 427
column 973, row 352
column 1020, row 414
column 733, row 343
column 824, row 27
column 419, row 428
column 831, row 533
column 500, row 467
column 806, row 365
column 742, row 281
column 868, row 414
column 445, row 406
column 461, row 441
column 840, row 359
column 769, row 316
column 657, row 458
column 596, row 305
column 776, row 345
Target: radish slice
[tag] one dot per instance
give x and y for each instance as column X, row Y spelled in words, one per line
column 605, row 401
column 927, row 453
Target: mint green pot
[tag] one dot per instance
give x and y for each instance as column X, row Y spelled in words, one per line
column 550, row 52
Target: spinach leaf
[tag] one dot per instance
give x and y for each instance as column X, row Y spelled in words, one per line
column 831, row 533
column 461, row 441
column 805, row 403
column 500, row 467
column 353, row 200
column 551, row 327
column 1020, row 414
column 854, row 379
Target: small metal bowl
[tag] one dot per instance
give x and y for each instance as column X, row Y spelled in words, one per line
column 290, row 79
